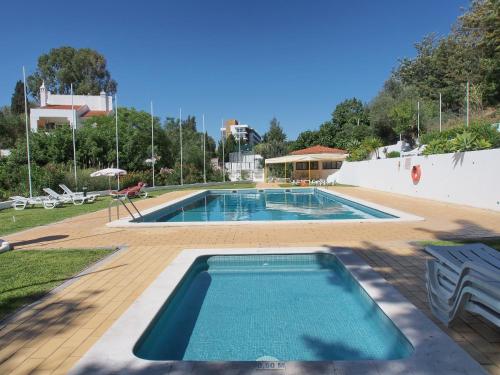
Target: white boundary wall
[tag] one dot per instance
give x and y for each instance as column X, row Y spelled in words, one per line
column 470, row 178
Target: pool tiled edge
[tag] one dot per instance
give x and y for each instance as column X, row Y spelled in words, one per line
column 434, row 352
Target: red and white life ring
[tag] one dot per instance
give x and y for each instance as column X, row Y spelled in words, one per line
column 416, row 173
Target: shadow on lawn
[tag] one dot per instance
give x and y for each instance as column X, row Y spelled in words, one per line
column 64, row 279
column 40, row 240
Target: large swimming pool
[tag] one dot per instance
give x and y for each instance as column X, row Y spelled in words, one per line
column 282, row 307
column 264, row 205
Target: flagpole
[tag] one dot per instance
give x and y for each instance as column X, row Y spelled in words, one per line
column 204, row 161
column 223, row 158
column 27, row 133
column 467, row 123
column 180, row 135
column 116, row 140
column 153, row 160
column 440, row 111
column 73, row 121
column 418, row 120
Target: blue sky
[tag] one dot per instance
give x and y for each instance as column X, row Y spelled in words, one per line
column 249, row 60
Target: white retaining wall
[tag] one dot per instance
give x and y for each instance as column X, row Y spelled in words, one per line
column 470, row 178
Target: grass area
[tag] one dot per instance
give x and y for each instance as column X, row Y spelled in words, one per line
column 492, row 242
column 27, row 275
column 13, row 221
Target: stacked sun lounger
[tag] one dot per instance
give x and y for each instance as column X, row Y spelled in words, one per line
column 464, row 278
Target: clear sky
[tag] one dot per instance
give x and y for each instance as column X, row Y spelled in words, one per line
column 249, row 60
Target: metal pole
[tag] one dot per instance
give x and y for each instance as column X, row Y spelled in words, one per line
column 27, row 133
column 418, row 120
column 204, row 160
column 440, row 112
column 73, row 126
column 467, row 104
column 180, row 135
column 153, row 160
column 239, row 152
column 116, row 140
column 223, row 156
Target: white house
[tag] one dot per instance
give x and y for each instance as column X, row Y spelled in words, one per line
column 56, row 110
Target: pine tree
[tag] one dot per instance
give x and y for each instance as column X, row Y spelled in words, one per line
column 17, row 102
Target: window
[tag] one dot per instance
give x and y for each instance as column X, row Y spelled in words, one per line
column 50, row 126
column 331, row 164
column 304, row 165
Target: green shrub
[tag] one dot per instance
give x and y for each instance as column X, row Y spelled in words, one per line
column 394, row 154
column 361, row 153
column 464, row 141
column 479, row 131
column 437, row 146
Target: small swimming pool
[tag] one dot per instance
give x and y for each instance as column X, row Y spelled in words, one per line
column 281, row 307
column 309, row 310
column 264, row 205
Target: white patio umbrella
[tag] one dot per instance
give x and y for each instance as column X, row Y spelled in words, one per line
column 109, row 172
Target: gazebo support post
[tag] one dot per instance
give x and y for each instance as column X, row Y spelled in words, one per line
column 309, row 164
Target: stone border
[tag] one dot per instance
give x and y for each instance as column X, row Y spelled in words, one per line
column 127, row 222
column 434, row 352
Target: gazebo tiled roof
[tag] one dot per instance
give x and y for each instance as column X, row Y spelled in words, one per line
column 318, row 150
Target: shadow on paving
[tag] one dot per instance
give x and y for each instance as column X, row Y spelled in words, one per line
column 42, row 323
column 226, row 368
column 406, row 272
column 468, row 229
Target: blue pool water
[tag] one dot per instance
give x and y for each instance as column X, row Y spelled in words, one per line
column 301, row 307
column 271, row 204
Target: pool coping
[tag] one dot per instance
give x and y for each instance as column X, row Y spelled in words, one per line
column 434, row 351
column 127, row 222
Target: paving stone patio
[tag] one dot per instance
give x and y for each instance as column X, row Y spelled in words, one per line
column 51, row 336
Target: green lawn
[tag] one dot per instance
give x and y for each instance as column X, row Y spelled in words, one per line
column 492, row 242
column 27, row 275
column 13, row 221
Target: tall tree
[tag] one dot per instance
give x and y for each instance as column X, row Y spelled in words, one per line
column 274, row 141
column 17, row 101
column 85, row 68
column 275, row 132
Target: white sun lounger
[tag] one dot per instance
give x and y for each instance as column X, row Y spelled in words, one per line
column 465, row 277
column 78, row 195
column 64, row 198
column 20, row 203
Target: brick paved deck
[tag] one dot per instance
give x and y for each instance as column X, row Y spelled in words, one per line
column 53, row 335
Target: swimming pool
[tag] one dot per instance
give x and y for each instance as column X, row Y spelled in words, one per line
column 264, row 205
column 333, row 277
column 290, row 307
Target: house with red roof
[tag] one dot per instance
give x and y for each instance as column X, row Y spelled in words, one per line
column 312, row 163
column 64, row 110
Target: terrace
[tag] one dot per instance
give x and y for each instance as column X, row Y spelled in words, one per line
column 54, row 334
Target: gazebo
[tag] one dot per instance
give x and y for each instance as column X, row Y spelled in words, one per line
column 312, row 163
